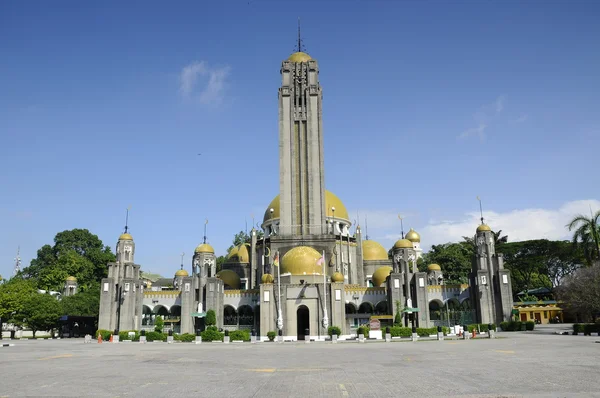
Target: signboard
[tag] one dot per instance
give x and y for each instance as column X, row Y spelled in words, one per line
column 374, row 324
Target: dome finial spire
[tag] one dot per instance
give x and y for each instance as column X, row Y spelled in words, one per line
column 127, row 219
column 300, row 47
column 480, row 209
column 401, row 225
column 205, row 224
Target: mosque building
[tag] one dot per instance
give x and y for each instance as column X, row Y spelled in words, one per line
column 309, row 270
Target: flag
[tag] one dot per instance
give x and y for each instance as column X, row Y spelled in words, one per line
column 321, row 261
column 276, row 260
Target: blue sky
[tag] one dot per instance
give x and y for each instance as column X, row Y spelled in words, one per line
column 426, row 105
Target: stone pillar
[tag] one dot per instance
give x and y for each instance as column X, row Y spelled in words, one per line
column 268, row 312
column 337, row 306
column 395, row 292
column 187, row 305
column 421, row 299
column 214, row 298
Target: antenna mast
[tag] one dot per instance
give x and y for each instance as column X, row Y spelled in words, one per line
column 182, row 254
column 401, row 226
column 18, row 261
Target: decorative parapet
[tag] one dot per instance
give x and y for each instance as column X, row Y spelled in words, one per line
column 364, row 290
column 448, row 288
column 163, row 293
column 242, row 293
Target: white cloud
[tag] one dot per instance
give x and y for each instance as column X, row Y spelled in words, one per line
column 206, row 84
column 519, row 224
column 483, row 117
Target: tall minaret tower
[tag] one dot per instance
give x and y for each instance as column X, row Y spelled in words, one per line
column 301, row 178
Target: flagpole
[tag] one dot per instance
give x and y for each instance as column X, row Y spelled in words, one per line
column 325, row 318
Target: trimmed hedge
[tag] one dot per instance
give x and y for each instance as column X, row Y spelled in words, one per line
column 243, row 335
column 481, row 327
column 186, row 337
column 124, row 335
column 271, row 335
column 516, row 326
column 586, row 328
column 155, row 336
column 105, row 334
column 331, row 330
column 212, row 334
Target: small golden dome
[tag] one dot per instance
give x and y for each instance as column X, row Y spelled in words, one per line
column 301, row 260
column 229, row 278
column 299, row 57
column 337, row 277
column 413, row 236
column 125, row 236
column 267, row 278
column 373, row 251
column 182, row 272
column 434, row 267
column 380, row 275
column 403, row 244
column 331, row 200
column 204, row 248
column 71, row 279
column 483, row 228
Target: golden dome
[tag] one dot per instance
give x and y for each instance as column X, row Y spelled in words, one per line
column 204, row 248
column 403, row 244
column 233, row 252
column 299, row 57
column 242, row 254
column 71, row 279
column 182, row 272
column 267, row 278
column 337, row 277
column 229, row 278
column 483, row 228
column 301, row 260
column 330, row 201
column 373, row 251
column 380, row 275
column 434, row 267
column 413, row 236
column 125, row 236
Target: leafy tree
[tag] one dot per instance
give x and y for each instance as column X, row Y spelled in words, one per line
column 86, row 303
column 41, row 312
column 220, row 261
column 76, row 253
column 13, row 298
column 563, row 260
column 243, row 237
column 581, row 292
column 455, row 259
column 587, row 234
column 527, row 262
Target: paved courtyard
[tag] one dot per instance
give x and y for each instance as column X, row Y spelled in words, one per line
column 519, row 364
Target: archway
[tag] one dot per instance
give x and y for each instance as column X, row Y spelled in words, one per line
column 246, row 316
column 302, row 322
column 230, row 316
column 435, row 310
column 381, row 308
column 350, row 308
column 365, row 308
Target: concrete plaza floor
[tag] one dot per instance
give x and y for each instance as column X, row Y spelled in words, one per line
column 516, row 364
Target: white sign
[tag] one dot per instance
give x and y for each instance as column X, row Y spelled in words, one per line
column 106, row 286
column 127, row 287
column 483, row 280
column 397, row 283
column 211, row 287
column 505, row 279
column 338, row 295
column 187, row 287
column 421, row 282
column 266, row 296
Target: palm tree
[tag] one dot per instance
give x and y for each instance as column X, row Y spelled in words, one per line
column 587, row 234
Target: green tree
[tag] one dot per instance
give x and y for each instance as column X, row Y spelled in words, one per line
column 41, row 312
column 527, row 262
column 587, row 235
column 455, row 259
column 220, row 261
column 580, row 293
column 243, row 237
column 13, row 298
column 77, row 253
column 86, row 303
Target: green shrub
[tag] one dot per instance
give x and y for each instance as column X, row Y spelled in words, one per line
column 362, row 330
column 243, row 335
column 331, row 330
column 529, row 325
column 186, row 337
column 271, row 335
column 155, row 336
column 159, row 324
column 105, row 334
column 399, row 331
column 212, row 334
column 512, row 326
column 586, row 328
column 124, row 335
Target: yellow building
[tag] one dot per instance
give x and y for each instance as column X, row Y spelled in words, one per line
column 538, row 311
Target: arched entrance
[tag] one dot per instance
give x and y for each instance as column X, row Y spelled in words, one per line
column 302, row 321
